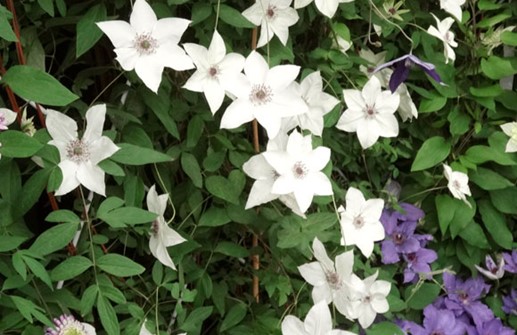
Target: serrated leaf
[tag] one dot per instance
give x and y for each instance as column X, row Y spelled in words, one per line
column 432, row 152
column 38, row 86
column 119, row 265
column 54, row 239
column 70, row 268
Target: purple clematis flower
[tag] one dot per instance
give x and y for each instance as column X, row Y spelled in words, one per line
column 510, row 303
column 494, row 327
column 399, row 239
column 510, row 261
column 463, row 297
column 402, row 67
column 418, row 263
column 439, row 322
column 406, row 326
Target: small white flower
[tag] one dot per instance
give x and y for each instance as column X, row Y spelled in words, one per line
column 147, row 44
column 213, row 67
column 370, row 113
column 326, row 7
column 443, row 33
column 274, row 18
column 7, row 117
column 360, row 222
column 317, row 322
column 319, row 103
column 342, row 44
column 68, row 325
column 162, row 236
column 264, row 94
column 368, row 298
column 299, row 170
column 79, row 157
column 452, row 7
column 510, row 129
column 328, row 278
column 493, row 271
column 458, row 183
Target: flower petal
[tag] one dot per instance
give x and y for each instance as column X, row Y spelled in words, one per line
column 256, row 68
column 60, row 126
column 70, row 181
column 120, row 33
column 102, row 149
column 214, row 94
column 95, row 116
column 291, row 325
column 313, row 273
column 142, row 17
column 217, row 48
column 260, row 193
column 92, row 177
column 238, row 113
column 156, row 203
column 170, row 30
column 318, row 320
column 160, row 252
column 150, row 72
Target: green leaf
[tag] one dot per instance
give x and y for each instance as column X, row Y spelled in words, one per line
column 496, row 67
column 479, row 154
column 191, row 167
column 214, row 160
column 161, row 107
column 495, row 223
column 8, row 243
column 419, row 297
column 432, row 152
column 87, row 31
column 70, row 268
column 235, row 315
column 487, row 91
column 222, row 188
column 38, row 270
column 194, row 131
column 18, row 144
column 489, row 180
column 38, row 86
column 459, row 122
column 383, row 328
column 433, row 105
column 108, row 316
column 214, row 217
column 6, row 32
column 63, row 215
column 231, row 249
column 491, row 21
column 54, row 239
column 109, row 204
column 200, row 12
column 453, row 214
column 112, row 293
column 88, row 299
column 47, row 6
column 119, row 217
column 233, row 17
column 474, row 235
column 504, row 200
column 130, row 154
column 195, row 319
column 509, row 38
column 119, row 265
column 112, row 168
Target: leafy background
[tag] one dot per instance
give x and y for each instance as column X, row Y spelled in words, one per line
column 171, row 139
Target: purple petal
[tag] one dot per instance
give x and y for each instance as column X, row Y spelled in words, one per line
column 390, row 63
column 399, row 75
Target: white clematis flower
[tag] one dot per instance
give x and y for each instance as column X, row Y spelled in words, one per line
column 443, row 33
column 319, row 103
column 264, row 94
column 326, row 7
column 274, row 18
column 360, row 222
column 67, row 324
column 162, row 236
column 458, row 183
column 452, row 7
column 213, row 67
column 370, row 113
column 510, row 129
column 7, row 117
column 317, row 322
column 299, row 170
column 329, row 279
column 368, row 298
column 147, row 44
column 79, row 157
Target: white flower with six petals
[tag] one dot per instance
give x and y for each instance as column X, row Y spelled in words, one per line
column 370, row 113
column 263, row 94
column 213, row 66
column 274, row 18
column 360, row 221
column 79, row 157
column 299, row 170
column 162, row 236
column 147, row 44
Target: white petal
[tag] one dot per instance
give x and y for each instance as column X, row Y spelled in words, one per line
column 160, row 252
column 92, row 177
column 318, row 183
column 345, row 264
column 269, row 119
column 196, row 81
column 142, row 17
column 238, row 113
column 256, row 68
column 214, row 94
column 354, row 99
column 61, row 127
column 350, row 119
column 303, row 197
column 321, row 255
column 281, row 76
column 120, row 33
column 198, row 54
column 127, row 57
column 365, row 244
column 380, row 305
column 371, row 90
column 88, row 328
column 318, row 158
column 260, row 193
column 102, row 149
column 368, row 132
column 95, row 116
column 284, row 185
column 217, row 49
column 70, row 181
column 318, row 320
column 231, row 64
column 258, row 168
column 301, row 3
column 293, row 326
column 169, row 236
column 327, row 7
column 150, row 72
column 156, row 203
column 313, row 273
column 366, row 317
column 322, row 293
column 354, row 200
column 388, row 126
column 9, row 116
column 381, row 287
column 171, row 55
column 170, row 30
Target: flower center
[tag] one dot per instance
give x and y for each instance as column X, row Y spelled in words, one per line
column 409, row 63
column 367, row 299
column 270, row 12
column 66, row 325
column 398, row 238
column 464, row 297
column 333, row 280
column 358, row 222
column 260, row 94
column 213, row 71
column 456, row 184
column 77, row 151
column 145, row 44
column 155, row 227
column 300, row 170
column 392, row 10
column 411, row 257
column 370, row 112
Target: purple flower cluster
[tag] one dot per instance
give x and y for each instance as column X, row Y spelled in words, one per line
column 510, row 261
column 510, row 303
column 461, row 312
column 401, row 242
